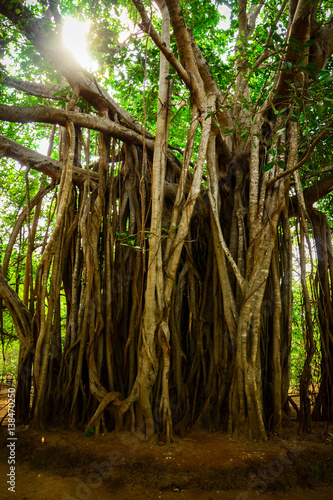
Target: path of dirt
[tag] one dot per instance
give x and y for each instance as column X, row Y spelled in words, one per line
column 68, row 465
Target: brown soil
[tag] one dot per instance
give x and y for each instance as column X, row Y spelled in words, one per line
column 70, row 465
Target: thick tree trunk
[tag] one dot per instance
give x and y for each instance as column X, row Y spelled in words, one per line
column 178, row 287
column 323, row 408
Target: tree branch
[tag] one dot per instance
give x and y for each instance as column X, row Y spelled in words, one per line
column 148, row 28
column 253, row 16
column 186, row 54
column 300, row 31
column 46, row 114
column 54, row 168
column 313, row 193
column 323, row 47
column 265, row 54
column 19, row 222
column 31, row 88
column 304, row 159
column 41, row 163
column 242, row 18
column 18, row 311
column 52, row 48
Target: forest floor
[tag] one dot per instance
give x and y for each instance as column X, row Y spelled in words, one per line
column 67, row 465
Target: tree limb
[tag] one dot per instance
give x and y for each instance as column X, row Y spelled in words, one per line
column 18, row 311
column 41, row 163
column 323, row 47
column 148, row 28
column 300, row 31
column 253, row 16
column 19, row 222
column 31, row 88
column 266, row 53
column 186, row 54
column 54, row 168
column 53, row 48
column 314, row 193
column 304, row 159
column 46, row 114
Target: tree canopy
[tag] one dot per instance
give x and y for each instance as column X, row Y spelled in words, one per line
column 146, row 258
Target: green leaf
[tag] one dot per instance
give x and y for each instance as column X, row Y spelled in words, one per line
column 281, row 131
column 268, row 166
column 281, row 111
column 274, row 109
column 277, row 38
column 301, row 59
column 295, row 42
column 89, row 432
column 210, row 114
column 311, row 67
column 62, row 92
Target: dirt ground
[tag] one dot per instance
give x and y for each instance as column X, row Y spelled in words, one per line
column 66, row 465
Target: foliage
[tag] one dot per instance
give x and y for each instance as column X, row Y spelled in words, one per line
column 298, row 344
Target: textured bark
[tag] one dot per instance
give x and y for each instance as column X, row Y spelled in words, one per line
column 41, row 163
column 23, row 326
column 31, row 88
column 178, row 286
column 323, row 408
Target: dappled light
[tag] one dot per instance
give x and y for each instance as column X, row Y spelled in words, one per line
column 75, row 33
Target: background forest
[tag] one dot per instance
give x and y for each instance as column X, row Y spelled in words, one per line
column 166, row 213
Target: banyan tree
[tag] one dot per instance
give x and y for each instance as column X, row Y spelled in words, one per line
column 155, row 256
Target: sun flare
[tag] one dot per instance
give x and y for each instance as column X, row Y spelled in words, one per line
column 74, row 33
